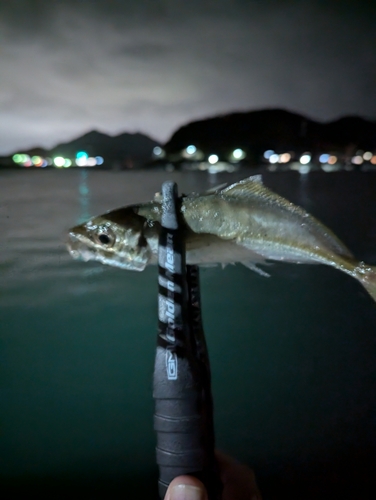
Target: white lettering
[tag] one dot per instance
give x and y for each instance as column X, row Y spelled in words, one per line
column 171, row 365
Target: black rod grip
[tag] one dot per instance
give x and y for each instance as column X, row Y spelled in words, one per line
column 179, row 419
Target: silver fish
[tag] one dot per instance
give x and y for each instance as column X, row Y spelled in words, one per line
column 244, row 222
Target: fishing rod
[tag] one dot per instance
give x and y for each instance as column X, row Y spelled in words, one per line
column 183, row 418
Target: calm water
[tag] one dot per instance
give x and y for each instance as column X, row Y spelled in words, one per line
column 293, row 357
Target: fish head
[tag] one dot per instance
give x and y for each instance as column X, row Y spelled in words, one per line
column 115, row 238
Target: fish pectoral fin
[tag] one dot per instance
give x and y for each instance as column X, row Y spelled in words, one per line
column 253, row 267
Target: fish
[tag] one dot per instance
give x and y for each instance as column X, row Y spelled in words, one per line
column 244, row 222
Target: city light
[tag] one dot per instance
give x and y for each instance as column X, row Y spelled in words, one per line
column 305, row 159
column 37, row 161
column 158, row 152
column 59, row 161
column 268, row 154
column 99, row 160
column 238, row 154
column 22, row 159
column 81, row 162
column 284, row 158
column 213, row 159
column 17, row 158
column 357, row 160
column 67, row 163
column 91, row 162
column 367, row 156
column 324, row 158
column 273, row 158
column 191, row 149
column 332, row 160
column 82, row 154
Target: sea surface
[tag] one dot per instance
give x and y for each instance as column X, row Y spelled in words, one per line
column 293, row 356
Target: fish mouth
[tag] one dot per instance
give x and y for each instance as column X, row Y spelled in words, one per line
column 80, row 248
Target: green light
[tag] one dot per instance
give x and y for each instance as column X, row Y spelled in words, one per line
column 37, row 160
column 17, row 158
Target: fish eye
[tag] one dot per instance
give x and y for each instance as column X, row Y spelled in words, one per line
column 105, row 237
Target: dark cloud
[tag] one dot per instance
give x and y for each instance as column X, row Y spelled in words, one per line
column 149, row 65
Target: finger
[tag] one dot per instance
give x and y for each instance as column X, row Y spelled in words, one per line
column 186, row 488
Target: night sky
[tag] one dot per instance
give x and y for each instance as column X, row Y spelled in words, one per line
column 68, row 67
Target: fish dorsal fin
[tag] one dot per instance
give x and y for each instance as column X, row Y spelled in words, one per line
column 244, row 188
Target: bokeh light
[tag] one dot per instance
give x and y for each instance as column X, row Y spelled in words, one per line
column 285, row 158
column 37, row 161
column 59, row 161
column 305, row 159
column 268, row 154
column 357, row 160
column 91, row 162
column 238, row 154
column 367, row 156
column 213, row 159
column 82, row 154
column 191, row 149
column 81, row 162
column 273, row 158
column 17, row 158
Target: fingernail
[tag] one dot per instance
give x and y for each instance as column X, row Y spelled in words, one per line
column 187, row 492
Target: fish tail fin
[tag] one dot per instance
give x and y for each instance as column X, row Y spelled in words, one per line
column 367, row 277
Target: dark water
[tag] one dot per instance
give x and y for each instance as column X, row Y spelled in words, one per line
column 293, row 357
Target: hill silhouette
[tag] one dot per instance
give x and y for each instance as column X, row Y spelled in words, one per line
column 121, row 147
column 276, row 129
column 123, row 150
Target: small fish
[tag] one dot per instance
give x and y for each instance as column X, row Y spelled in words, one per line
column 244, row 222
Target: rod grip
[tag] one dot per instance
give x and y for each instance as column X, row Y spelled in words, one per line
column 185, row 439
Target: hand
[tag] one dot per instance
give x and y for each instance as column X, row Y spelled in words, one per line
column 238, row 481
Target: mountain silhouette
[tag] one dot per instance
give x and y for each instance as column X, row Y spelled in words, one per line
column 125, row 146
column 277, row 129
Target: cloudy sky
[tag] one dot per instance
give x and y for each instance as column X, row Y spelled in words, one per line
column 69, row 66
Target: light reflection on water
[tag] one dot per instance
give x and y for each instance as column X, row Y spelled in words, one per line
column 293, row 356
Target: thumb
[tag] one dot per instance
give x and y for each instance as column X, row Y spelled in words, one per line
column 186, row 488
